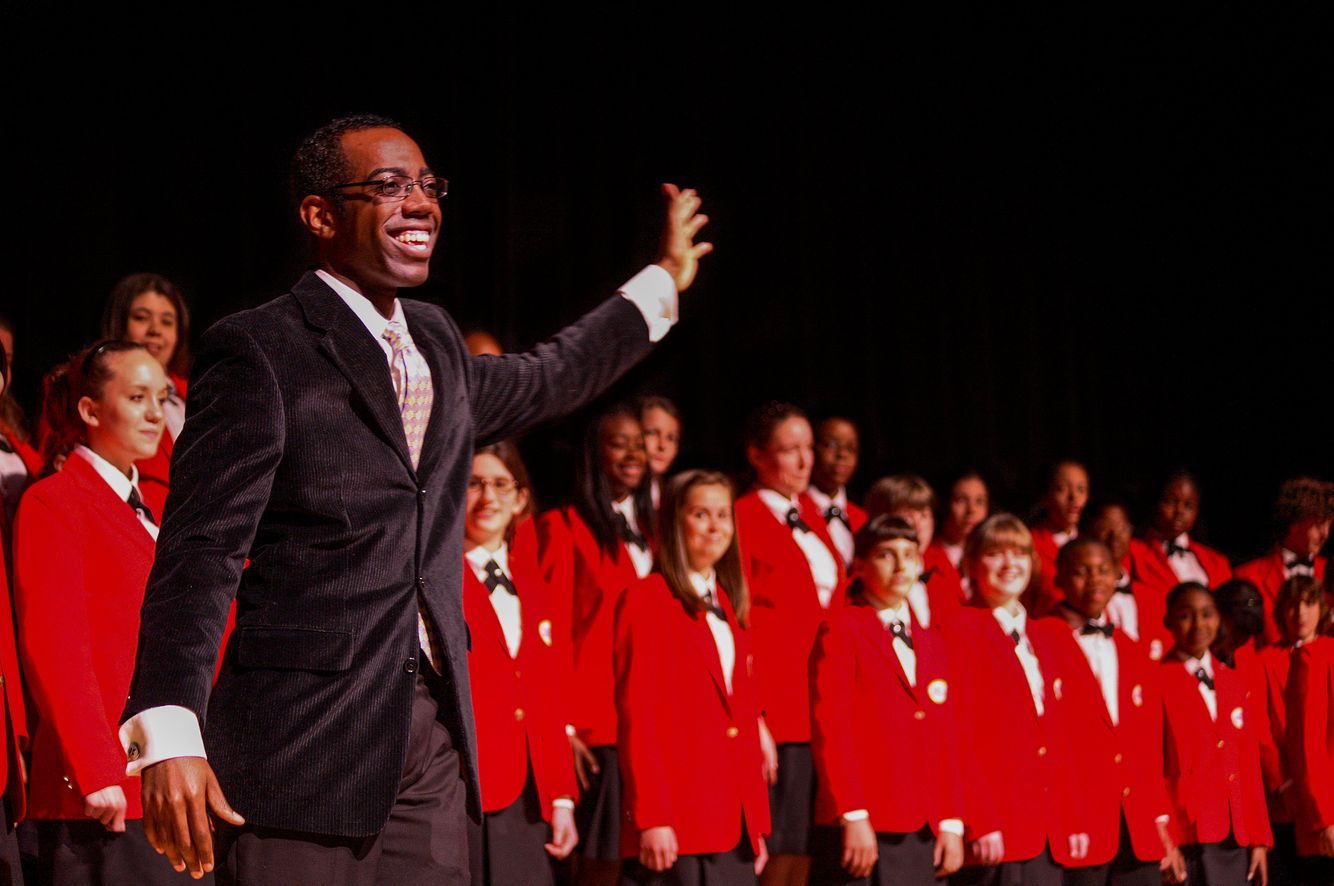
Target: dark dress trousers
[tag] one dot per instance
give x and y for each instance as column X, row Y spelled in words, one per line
column 293, row 455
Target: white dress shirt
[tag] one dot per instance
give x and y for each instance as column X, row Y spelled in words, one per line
column 907, row 657
column 920, row 601
column 1210, row 696
column 119, row 483
column 642, row 558
column 1123, row 610
column 1023, row 650
column 825, row 571
column 954, row 552
column 839, row 532
column 503, row 602
column 168, row 731
column 1101, row 654
column 1185, row 565
column 1060, row 538
column 721, row 630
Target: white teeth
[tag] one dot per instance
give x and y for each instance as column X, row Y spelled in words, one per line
column 414, row 238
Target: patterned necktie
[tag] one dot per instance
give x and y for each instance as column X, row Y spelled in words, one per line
column 412, row 385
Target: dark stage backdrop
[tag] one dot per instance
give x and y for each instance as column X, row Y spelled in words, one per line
column 992, row 243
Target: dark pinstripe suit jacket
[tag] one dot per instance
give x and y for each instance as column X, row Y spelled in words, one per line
column 293, row 455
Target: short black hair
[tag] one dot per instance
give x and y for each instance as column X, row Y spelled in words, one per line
column 1239, row 601
column 1181, row 590
column 319, row 162
column 882, row 528
column 1068, row 550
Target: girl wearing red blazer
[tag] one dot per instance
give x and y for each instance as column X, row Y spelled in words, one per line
column 523, row 755
column 83, row 548
column 696, row 808
column 792, row 572
column 968, row 505
column 837, row 446
column 150, row 310
column 1211, row 752
column 590, row 552
column 889, row 798
column 1020, row 808
column 1062, row 505
column 1167, row 556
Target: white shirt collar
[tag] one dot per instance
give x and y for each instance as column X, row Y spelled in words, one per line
column 119, row 483
column 1181, row 541
column 1010, row 623
column 779, row 503
column 626, row 506
column 479, row 556
column 823, row 501
column 900, row 613
column 1205, row 661
column 704, row 583
column 372, row 319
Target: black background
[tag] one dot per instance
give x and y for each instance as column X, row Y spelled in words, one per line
column 993, row 241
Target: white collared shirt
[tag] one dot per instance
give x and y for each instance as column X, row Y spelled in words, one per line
column 907, row 657
column 1123, row 610
column 119, row 483
column 721, row 630
column 1023, row 650
column 839, row 532
column 1185, row 565
column 920, row 601
column 954, row 552
column 1060, row 538
column 505, row 604
column 1103, row 661
column 642, row 558
column 1209, row 695
column 825, row 570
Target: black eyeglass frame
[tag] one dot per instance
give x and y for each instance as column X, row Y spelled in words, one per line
column 400, row 181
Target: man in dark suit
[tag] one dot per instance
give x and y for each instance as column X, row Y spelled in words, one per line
column 329, row 441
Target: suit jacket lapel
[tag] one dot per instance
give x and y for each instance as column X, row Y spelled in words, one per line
column 875, row 635
column 115, row 513
column 357, row 356
column 486, row 612
column 703, row 635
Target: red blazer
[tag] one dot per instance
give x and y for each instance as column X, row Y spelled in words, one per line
column 1269, row 700
column 1266, row 573
column 879, row 742
column 515, row 699
column 944, row 585
column 1042, row 595
column 586, row 585
column 785, row 611
column 13, row 709
column 155, row 472
column 689, row 750
column 1121, row 765
column 82, row 563
column 1022, row 779
column 1152, row 577
column 1212, row 767
column 1310, row 740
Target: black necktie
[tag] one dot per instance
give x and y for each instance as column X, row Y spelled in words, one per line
column 628, row 535
column 834, row 512
column 1203, row 676
column 137, row 505
column 1016, row 636
column 1302, row 562
column 898, row 629
column 794, row 521
column 1174, row 548
column 713, row 605
column 496, row 578
column 1090, row 628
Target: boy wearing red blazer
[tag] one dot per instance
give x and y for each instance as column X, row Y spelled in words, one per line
column 1113, row 711
column 940, row 592
column 889, row 798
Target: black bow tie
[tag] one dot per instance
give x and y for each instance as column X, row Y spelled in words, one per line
column 137, row 505
column 1016, row 636
column 834, row 512
column 1299, row 562
column 1174, row 548
column 496, row 578
column 1090, row 628
column 628, row 535
column 1125, row 589
column 1203, row 676
column 898, row 629
column 794, row 520
column 713, row 606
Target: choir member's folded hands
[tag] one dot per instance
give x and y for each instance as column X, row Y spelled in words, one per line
column 680, row 254
column 658, row 848
column 1258, row 873
column 949, row 854
column 1079, row 846
column 564, row 836
column 989, row 848
column 860, row 849
column 108, row 807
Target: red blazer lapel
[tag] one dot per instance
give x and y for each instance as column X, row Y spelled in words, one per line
column 875, row 635
column 479, row 599
column 811, row 513
column 116, row 513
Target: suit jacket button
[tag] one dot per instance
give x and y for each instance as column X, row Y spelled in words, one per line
column 1116, row 759
column 421, row 582
column 410, row 666
column 1125, row 792
column 919, row 715
column 733, row 732
column 1221, row 742
column 1042, row 751
column 518, row 713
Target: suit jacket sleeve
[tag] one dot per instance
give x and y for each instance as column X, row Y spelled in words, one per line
column 223, row 472
column 511, row 393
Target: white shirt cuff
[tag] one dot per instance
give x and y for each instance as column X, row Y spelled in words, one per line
column 563, row 803
column 653, row 291
column 951, row 826
column 158, row 734
column 854, row 815
column 1162, row 819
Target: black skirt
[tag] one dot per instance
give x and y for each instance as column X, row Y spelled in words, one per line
column 904, row 859
column 790, row 800
column 514, row 842
column 598, row 815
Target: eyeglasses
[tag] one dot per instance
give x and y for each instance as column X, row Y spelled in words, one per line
column 503, row 486
column 397, row 187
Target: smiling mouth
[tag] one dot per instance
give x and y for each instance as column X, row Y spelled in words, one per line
column 416, row 241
